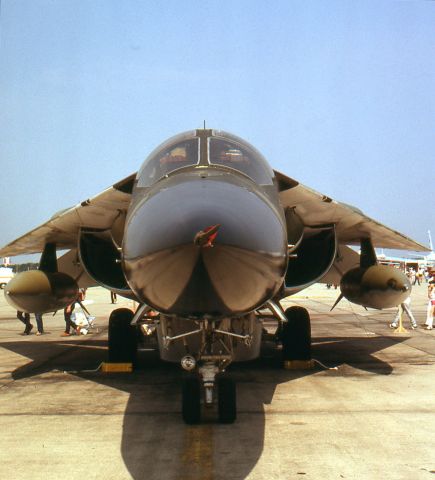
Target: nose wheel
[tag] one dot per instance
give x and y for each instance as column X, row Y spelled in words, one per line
column 205, row 383
column 191, row 400
column 192, row 392
column 227, row 408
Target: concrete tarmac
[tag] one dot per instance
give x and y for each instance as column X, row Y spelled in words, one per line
column 371, row 417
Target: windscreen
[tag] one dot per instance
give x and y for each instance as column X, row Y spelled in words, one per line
column 232, row 154
column 168, row 159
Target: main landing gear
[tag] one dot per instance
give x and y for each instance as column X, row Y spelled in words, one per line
column 294, row 332
column 122, row 337
column 296, row 335
column 124, row 332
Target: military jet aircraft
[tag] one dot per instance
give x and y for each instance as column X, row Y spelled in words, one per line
column 206, row 234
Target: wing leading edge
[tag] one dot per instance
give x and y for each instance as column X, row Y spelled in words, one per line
column 98, row 212
column 316, row 209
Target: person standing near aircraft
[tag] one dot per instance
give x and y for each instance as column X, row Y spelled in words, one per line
column 405, row 307
column 70, row 315
column 113, row 297
column 431, row 305
column 67, row 312
column 418, row 276
column 411, row 275
column 39, row 324
column 25, row 318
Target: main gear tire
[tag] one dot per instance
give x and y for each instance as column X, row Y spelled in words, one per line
column 122, row 337
column 296, row 334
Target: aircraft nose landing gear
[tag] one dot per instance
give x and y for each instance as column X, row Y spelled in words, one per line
column 209, row 374
column 191, row 404
column 227, row 404
column 216, row 345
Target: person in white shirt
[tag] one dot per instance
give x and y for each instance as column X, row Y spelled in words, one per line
column 430, row 305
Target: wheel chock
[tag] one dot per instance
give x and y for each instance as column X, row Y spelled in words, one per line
column 107, row 367
column 299, row 364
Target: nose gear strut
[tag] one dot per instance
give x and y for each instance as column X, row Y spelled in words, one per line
column 216, row 353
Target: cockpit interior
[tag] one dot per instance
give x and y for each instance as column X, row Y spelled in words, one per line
column 222, row 150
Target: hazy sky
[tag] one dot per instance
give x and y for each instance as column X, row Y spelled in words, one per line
column 337, row 94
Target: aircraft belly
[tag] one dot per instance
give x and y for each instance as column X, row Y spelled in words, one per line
column 177, row 349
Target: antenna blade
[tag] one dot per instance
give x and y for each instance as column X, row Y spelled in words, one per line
column 337, row 301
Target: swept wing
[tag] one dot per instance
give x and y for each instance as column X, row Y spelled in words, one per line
column 351, row 224
column 314, row 208
column 97, row 212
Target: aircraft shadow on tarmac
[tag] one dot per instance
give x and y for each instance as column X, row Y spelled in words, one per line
column 155, row 442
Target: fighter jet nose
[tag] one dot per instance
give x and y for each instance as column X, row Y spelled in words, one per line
column 204, row 247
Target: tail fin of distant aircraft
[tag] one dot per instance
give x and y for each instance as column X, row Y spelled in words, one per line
column 430, row 241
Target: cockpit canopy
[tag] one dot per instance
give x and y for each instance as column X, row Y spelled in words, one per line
column 222, row 149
